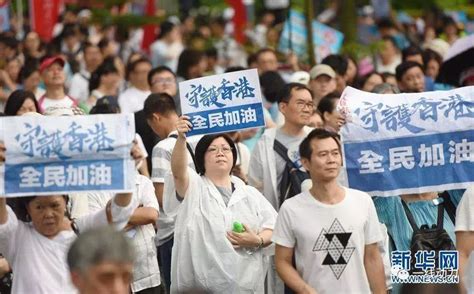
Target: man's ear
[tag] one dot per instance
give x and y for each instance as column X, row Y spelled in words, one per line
column 77, row 280
column 282, row 107
column 155, row 118
column 306, row 163
column 325, row 116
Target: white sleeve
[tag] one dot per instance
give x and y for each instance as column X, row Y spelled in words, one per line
column 7, row 235
column 92, row 220
column 464, row 212
column 255, row 174
column 283, row 234
column 147, row 194
column 120, row 217
column 75, row 88
column 123, row 103
column 141, row 145
column 267, row 213
column 372, row 231
column 98, row 200
column 172, row 202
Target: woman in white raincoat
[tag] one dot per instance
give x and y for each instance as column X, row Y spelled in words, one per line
column 207, row 256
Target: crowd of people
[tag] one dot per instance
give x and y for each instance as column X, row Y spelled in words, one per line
column 192, row 191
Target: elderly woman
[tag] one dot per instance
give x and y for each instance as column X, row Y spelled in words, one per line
column 36, row 249
column 208, row 257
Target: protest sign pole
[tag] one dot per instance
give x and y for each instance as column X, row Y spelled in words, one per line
column 309, row 30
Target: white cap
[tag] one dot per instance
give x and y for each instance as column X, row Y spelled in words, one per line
column 301, row 77
column 438, row 45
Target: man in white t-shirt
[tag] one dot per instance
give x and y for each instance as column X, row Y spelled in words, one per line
column 53, row 76
column 465, row 240
column 132, row 99
column 332, row 231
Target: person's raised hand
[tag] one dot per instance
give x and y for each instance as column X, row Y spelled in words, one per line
column 183, row 125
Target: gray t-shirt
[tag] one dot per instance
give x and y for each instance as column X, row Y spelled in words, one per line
column 287, row 141
column 226, row 194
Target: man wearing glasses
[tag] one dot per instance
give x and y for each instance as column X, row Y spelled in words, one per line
column 267, row 167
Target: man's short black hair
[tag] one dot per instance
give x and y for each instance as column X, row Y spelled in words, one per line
column 264, row 50
column 316, row 134
column 385, row 23
column 327, row 103
column 132, row 65
column 158, row 70
column 161, row 103
column 411, row 51
column 391, row 40
column 284, row 95
column 403, row 67
column 337, row 62
column 271, row 84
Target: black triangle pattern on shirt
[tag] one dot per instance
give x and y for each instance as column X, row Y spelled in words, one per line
column 335, row 242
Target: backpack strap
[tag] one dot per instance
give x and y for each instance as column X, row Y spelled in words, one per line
column 410, row 217
column 440, row 221
column 449, row 206
column 188, row 146
column 281, row 150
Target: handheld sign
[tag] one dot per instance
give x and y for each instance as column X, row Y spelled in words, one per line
column 398, row 144
column 223, row 103
column 61, row 155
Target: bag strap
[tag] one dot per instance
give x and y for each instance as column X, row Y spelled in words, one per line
column 449, row 206
column 440, row 221
column 281, row 150
column 410, row 217
column 188, row 146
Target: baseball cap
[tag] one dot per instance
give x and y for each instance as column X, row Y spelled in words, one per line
column 322, row 69
column 49, row 61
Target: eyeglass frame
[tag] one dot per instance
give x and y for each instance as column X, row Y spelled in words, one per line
column 218, row 149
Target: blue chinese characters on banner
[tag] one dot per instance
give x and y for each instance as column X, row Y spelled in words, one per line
column 223, row 103
column 408, row 143
column 67, row 154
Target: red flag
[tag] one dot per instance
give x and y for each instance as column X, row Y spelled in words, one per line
column 149, row 31
column 44, row 15
column 239, row 19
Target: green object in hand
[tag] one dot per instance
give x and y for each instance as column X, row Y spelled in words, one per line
column 238, row 227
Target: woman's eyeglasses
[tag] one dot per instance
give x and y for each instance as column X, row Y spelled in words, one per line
column 215, row 149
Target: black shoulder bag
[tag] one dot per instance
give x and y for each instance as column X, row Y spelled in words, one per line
column 292, row 178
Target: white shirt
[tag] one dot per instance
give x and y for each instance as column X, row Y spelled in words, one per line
column 465, row 222
column 146, row 273
column 165, row 54
column 39, row 263
column 79, row 88
column 329, row 240
column 45, row 102
column 132, row 100
column 203, row 258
